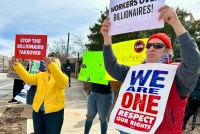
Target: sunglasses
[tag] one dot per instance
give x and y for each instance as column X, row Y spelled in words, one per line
column 155, row 45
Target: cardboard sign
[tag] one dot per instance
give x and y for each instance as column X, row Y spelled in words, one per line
column 93, row 68
column 134, row 15
column 142, row 98
column 129, row 53
column 30, row 46
column 12, row 74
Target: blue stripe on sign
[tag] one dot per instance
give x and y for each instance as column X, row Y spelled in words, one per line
column 22, row 94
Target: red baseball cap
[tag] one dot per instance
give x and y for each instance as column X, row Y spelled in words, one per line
column 163, row 37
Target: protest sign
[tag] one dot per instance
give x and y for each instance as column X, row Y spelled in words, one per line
column 29, row 46
column 134, row 15
column 22, row 96
column 34, row 66
column 129, row 53
column 142, row 98
column 92, row 69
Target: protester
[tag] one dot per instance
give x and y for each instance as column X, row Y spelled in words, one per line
column 99, row 101
column 53, row 54
column 17, row 87
column 32, row 90
column 193, row 103
column 48, row 103
column 159, row 50
column 68, row 69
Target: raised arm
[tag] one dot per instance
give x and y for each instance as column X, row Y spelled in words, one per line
column 189, row 69
column 116, row 70
column 60, row 78
column 23, row 74
column 168, row 14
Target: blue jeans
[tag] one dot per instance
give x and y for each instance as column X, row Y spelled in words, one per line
column 48, row 123
column 98, row 103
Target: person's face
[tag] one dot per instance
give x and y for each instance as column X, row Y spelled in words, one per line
column 154, row 54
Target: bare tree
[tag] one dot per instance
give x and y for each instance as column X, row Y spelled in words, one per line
column 78, row 41
column 76, row 47
column 60, row 48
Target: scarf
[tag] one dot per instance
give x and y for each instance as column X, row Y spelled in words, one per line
column 166, row 58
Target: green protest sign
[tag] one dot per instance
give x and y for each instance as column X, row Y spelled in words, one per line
column 34, row 66
column 92, row 69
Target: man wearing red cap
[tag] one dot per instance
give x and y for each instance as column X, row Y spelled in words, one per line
column 159, row 50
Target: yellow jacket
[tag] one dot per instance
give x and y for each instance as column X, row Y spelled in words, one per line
column 50, row 87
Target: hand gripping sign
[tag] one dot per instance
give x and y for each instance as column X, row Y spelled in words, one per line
column 129, row 53
column 142, row 98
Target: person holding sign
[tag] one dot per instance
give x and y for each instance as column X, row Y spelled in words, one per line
column 99, row 101
column 159, row 50
column 48, row 104
column 17, row 87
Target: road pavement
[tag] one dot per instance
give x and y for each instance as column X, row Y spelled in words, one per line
column 6, row 85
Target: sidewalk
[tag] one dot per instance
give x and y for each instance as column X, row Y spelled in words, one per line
column 75, row 112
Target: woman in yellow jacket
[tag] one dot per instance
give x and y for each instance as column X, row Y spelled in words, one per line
column 48, row 103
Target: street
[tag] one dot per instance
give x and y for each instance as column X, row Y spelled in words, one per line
column 6, row 85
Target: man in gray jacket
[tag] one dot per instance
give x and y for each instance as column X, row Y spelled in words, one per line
column 159, row 50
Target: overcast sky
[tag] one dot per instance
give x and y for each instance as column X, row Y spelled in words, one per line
column 57, row 18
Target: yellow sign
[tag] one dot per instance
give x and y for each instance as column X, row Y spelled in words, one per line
column 129, row 53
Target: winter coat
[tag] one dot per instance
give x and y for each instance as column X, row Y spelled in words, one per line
column 50, row 87
column 31, row 92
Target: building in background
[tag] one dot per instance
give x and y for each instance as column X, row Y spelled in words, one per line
column 4, row 64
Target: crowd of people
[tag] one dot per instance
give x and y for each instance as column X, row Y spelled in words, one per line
column 49, row 84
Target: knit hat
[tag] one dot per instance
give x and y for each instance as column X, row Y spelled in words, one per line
column 163, row 37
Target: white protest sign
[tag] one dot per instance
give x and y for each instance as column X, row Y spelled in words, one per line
column 22, row 96
column 142, row 98
column 134, row 15
column 27, row 86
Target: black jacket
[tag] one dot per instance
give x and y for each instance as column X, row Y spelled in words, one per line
column 195, row 95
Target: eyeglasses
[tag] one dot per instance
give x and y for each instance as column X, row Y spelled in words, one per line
column 155, row 45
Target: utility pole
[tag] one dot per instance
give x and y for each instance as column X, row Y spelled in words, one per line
column 78, row 57
column 68, row 46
